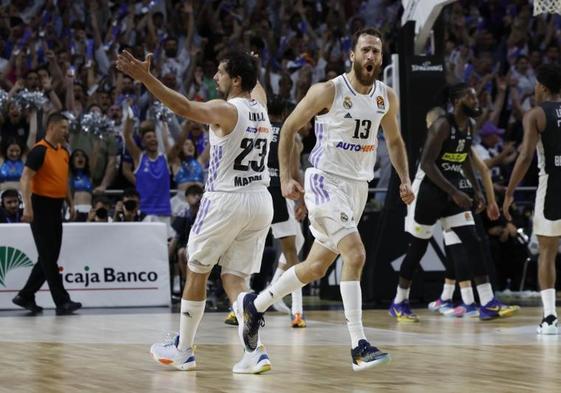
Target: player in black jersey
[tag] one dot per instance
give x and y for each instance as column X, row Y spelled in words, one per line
column 542, row 130
column 444, row 303
column 287, row 213
column 446, row 169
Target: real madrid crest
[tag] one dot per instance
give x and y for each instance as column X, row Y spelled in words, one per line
column 347, row 103
column 380, row 102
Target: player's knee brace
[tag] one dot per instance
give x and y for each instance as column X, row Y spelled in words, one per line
column 459, row 258
column 474, row 248
column 450, row 264
column 415, row 252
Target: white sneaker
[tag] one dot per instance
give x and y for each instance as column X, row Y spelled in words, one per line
column 281, row 307
column 548, row 325
column 256, row 362
column 447, row 311
column 167, row 354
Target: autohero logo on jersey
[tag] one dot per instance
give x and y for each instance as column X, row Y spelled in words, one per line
column 426, row 66
column 355, row 147
column 108, row 276
column 257, row 130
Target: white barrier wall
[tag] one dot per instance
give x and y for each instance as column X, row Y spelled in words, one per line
column 103, row 265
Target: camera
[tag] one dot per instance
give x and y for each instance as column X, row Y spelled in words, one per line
column 101, row 213
column 130, row 205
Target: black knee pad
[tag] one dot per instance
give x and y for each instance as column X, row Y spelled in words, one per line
column 415, row 252
column 459, row 257
column 450, row 263
column 473, row 249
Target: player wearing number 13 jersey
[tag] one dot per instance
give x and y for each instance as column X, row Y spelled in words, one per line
column 236, row 210
column 349, row 110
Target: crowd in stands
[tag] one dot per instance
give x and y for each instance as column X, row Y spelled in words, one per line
column 66, row 51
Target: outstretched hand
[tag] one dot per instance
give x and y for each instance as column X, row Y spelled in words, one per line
column 133, row 67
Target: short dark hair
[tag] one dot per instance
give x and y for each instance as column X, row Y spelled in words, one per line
column 240, row 63
column 131, row 192
column 9, row 142
column 365, row 31
column 9, row 193
column 549, row 75
column 457, row 91
column 194, row 189
column 145, row 127
column 56, row 117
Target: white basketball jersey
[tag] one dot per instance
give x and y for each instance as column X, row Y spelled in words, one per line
column 347, row 135
column 238, row 161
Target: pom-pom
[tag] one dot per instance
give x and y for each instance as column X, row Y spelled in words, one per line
column 162, row 112
column 30, row 99
column 97, row 124
column 3, row 99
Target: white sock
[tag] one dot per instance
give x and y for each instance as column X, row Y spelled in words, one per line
column 485, row 293
column 548, row 301
column 352, row 304
column 277, row 274
column 447, row 292
column 297, row 302
column 191, row 315
column 467, row 295
column 401, row 295
column 287, row 283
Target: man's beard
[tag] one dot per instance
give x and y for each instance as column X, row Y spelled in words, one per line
column 363, row 77
column 471, row 112
column 223, row 93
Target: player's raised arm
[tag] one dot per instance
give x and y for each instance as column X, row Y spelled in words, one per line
column 319, row 98
column 217, row 112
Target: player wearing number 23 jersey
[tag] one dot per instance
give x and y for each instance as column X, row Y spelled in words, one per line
column 236, row 210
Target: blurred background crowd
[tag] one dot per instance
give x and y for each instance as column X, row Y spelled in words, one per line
column 64, row 52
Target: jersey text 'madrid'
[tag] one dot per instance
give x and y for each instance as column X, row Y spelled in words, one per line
column 238, row 161
column 347, row 135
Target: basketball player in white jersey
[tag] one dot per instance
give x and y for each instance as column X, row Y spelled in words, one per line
column 349, row 110
column 542, row 131
column 236, row 209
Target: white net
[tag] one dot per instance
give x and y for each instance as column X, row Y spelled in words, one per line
column 547, row 7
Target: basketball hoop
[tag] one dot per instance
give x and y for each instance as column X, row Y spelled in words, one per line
column 547, row 7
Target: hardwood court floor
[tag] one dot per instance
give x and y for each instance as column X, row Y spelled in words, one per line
column 109, row 353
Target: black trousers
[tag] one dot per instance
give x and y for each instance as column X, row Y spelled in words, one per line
column 47, row 233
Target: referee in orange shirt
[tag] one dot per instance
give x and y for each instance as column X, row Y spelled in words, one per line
column 44, row 185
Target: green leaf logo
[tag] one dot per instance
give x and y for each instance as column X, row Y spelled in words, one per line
column 12, row 258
